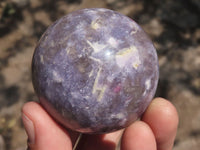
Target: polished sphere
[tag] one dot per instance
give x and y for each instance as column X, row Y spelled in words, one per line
column 95, row 71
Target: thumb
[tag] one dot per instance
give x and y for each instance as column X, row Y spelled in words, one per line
column 43, row 132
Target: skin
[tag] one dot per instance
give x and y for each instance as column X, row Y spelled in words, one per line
column 156, row 130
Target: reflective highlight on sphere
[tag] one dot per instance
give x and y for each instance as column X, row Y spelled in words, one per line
column 95, row 71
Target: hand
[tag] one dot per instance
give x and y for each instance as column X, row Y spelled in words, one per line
column 155, row 131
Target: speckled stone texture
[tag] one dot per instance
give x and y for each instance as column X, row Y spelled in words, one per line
column 95, row 71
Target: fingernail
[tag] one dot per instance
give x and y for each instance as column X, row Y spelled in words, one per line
column 29, row 127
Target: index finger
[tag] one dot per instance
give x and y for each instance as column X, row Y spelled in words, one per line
column 162, row 118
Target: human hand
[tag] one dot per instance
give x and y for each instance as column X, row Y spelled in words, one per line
column 155, row 131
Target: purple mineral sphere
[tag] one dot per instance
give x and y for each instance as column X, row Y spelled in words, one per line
column 95, row 71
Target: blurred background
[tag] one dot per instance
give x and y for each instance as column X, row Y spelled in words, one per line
column 173, row 25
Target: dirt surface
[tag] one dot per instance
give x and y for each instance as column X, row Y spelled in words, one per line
column 174, row 27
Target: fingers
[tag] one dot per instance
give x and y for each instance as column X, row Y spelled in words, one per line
column 43, row 132
column 162, row 118
column 157, row 128
column 138, row 136
column 100, row 142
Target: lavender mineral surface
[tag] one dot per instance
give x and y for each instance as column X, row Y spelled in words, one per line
column 95, row 71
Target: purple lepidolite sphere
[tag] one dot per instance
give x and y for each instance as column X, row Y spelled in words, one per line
column 95, row 70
